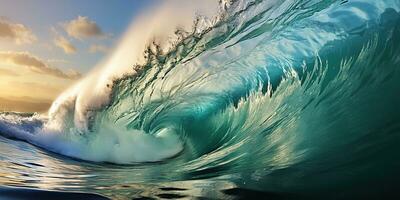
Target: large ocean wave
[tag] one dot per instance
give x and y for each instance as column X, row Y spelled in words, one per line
column 283, row 96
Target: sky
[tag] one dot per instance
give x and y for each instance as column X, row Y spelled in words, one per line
column 46, row 45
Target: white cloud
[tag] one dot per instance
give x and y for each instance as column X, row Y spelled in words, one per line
column 18, row 33
column 64, row 44
column 83, row 27
column 98, row 48
column 35, row 64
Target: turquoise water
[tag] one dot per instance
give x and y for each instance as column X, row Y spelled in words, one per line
column 278, row 98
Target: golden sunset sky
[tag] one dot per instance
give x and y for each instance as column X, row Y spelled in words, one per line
column 46, row 46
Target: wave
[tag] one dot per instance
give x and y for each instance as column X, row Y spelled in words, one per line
column 270, row 90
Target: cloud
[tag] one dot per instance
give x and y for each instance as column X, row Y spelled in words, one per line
column 64, row 44
column 83, row 27
column 35, row 64
column 57, row 61
column 98, row 48
column 6, row 72
column 37, row 88
column 19, row 33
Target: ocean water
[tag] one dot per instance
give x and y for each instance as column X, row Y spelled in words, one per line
column 265, row 99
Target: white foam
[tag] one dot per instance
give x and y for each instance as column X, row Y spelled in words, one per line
column 109, row 144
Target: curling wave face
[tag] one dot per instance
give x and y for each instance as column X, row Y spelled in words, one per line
column 265, row 94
